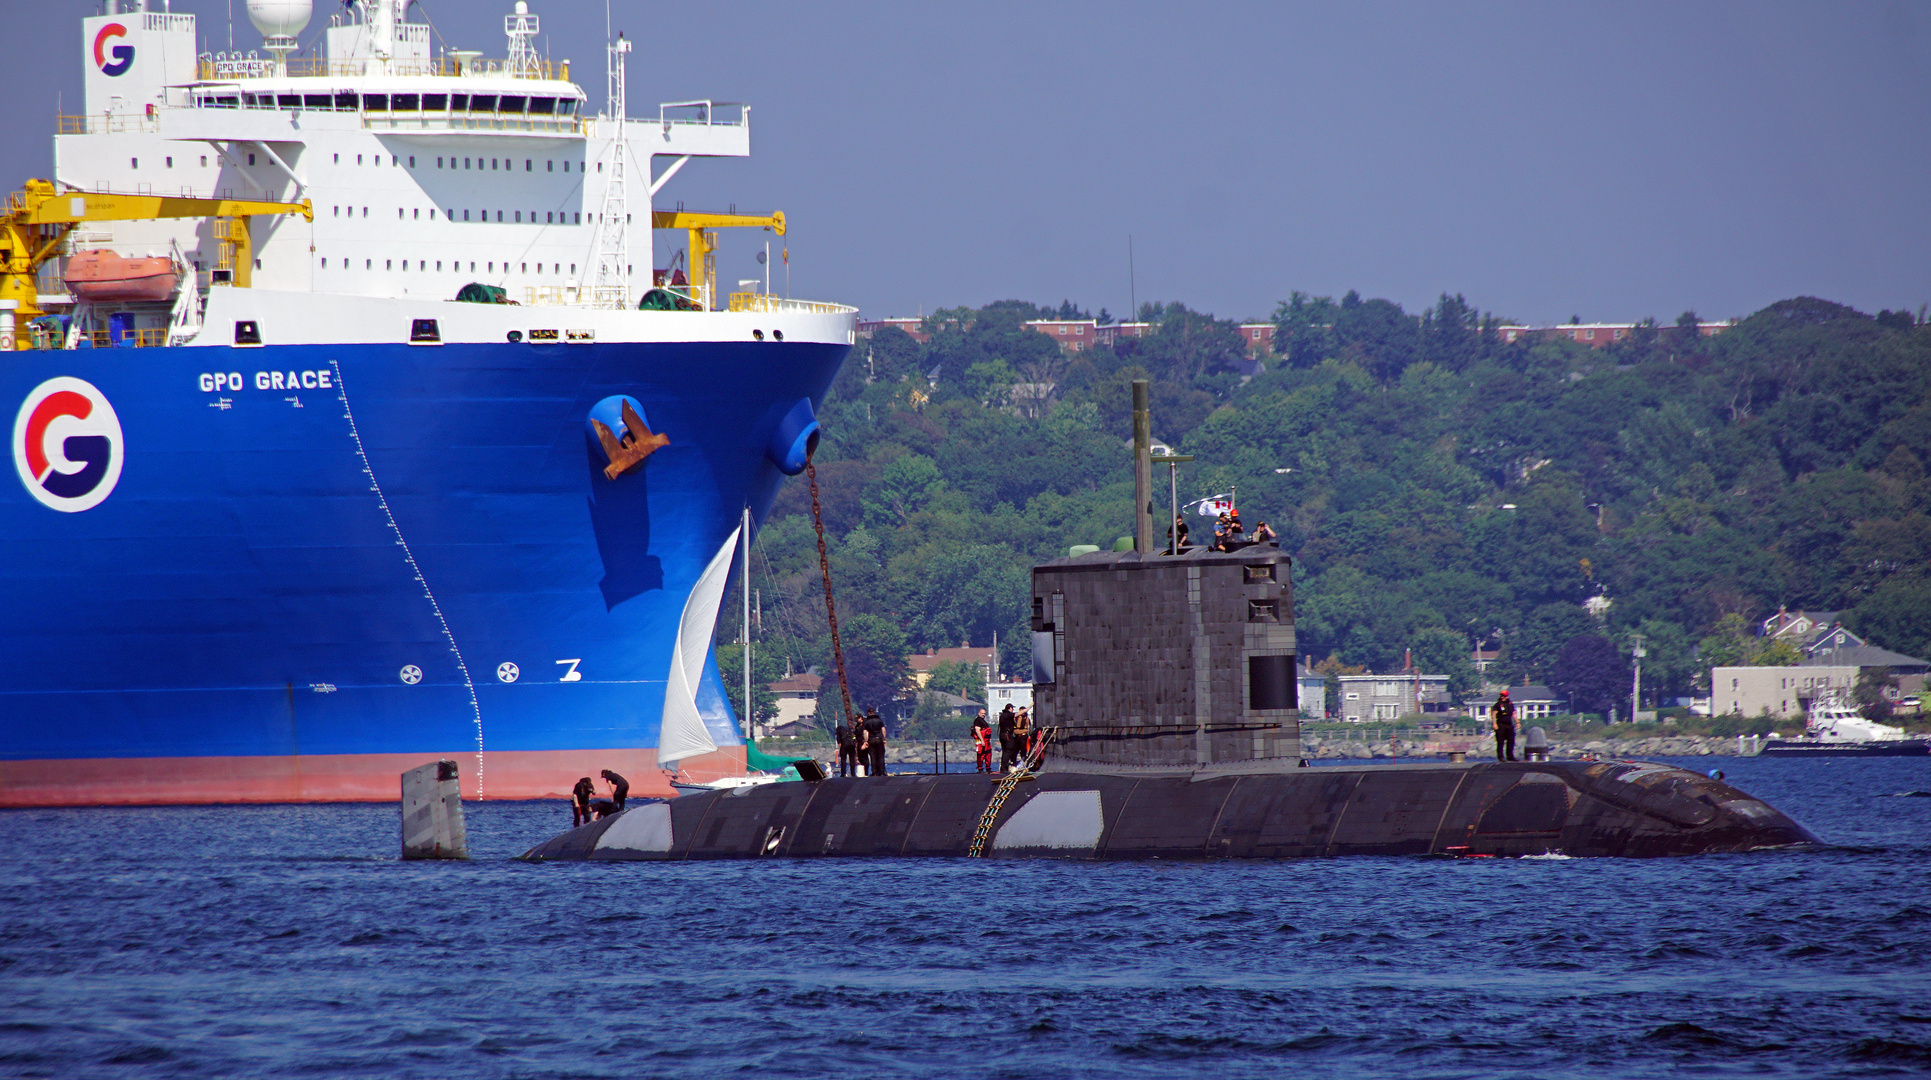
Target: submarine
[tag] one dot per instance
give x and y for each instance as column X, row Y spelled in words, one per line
column 1164, row 684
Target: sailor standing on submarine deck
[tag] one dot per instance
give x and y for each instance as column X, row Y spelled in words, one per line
column 1502, row 715
column 847, row 748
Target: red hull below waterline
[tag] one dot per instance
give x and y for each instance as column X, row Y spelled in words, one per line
column 533, row 774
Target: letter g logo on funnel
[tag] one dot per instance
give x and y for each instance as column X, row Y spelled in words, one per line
column 67, row 445
column 123, row 54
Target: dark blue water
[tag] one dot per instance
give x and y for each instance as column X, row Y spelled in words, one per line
column 288, row 941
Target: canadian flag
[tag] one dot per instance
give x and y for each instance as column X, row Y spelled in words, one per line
column 1216, row 506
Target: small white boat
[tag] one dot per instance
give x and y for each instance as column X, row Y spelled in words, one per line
column 1833, row 729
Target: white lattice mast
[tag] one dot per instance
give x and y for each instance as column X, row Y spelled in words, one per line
column 522, row 29
column 611, row 286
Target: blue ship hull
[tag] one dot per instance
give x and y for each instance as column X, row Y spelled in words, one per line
column 246, row 614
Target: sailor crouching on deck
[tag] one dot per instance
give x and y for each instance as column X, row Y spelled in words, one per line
column 619, row 789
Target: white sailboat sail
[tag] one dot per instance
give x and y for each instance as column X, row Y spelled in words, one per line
column 683, row 733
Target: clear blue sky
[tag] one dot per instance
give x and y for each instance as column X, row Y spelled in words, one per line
column 1611, row 160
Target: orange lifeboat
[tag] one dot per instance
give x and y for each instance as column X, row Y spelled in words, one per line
column 101, row 276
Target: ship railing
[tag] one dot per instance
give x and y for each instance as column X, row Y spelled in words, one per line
column 107, row 124
column 130, row 339
column 222, row 67
column 764, row 302
column 704, row 113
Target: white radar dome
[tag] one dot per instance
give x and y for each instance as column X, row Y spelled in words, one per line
column 280, row 18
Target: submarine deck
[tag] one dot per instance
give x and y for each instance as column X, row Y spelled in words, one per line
column 1605, row 808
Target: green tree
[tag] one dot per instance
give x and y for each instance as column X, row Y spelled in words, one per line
column 1440, row 651
column 904, row 488
column 765, row 669
column 1531, row 651
column 875, row 662
column 1590, row 673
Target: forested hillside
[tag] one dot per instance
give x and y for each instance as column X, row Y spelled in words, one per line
column 1437, row 487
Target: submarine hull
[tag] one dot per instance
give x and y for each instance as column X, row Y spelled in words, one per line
column 1618, row 809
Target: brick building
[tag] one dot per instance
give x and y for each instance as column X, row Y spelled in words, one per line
column 867, row 327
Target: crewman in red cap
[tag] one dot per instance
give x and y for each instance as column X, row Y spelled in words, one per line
column 1502, row 714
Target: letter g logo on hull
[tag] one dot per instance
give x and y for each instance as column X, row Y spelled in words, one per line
column 67, row 445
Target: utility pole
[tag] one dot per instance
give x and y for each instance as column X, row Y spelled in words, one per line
column 1636, row 693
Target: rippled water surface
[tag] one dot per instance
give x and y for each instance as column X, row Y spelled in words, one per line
column 288, row 941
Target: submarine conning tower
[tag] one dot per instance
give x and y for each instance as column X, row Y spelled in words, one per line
column 1167, row 661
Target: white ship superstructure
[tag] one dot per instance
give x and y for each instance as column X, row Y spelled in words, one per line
column 425, row 172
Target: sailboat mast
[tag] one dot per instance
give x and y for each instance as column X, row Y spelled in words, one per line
column 745, row 590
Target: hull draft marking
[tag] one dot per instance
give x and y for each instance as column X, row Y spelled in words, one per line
column 476, row 706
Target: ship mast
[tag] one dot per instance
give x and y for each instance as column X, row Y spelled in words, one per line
column 610, row 288
column 521, row 28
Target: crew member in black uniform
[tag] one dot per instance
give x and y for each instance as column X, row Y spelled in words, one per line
column 619, row 788
column 580, row 802
column 1502, row 715
column 847, row 749
column 982, row 742
column 875, row 741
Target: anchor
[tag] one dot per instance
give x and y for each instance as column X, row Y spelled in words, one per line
column 630, row 452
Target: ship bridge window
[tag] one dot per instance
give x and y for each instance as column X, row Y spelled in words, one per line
column 510, row 103
column 289, row 101
column 375, row 102
column 345, row 99
column 406, row 102
column 549, row 166
column 482, row 102
column 542, row 106
column 566, row 107
column 317, row 101
column 529, row 164
column 435, row 102
column 459, row 102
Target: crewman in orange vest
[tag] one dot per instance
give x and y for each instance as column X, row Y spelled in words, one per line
column 982, row 741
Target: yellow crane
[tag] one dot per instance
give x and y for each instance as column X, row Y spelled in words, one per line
column 38, row 218
column 703, row 263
